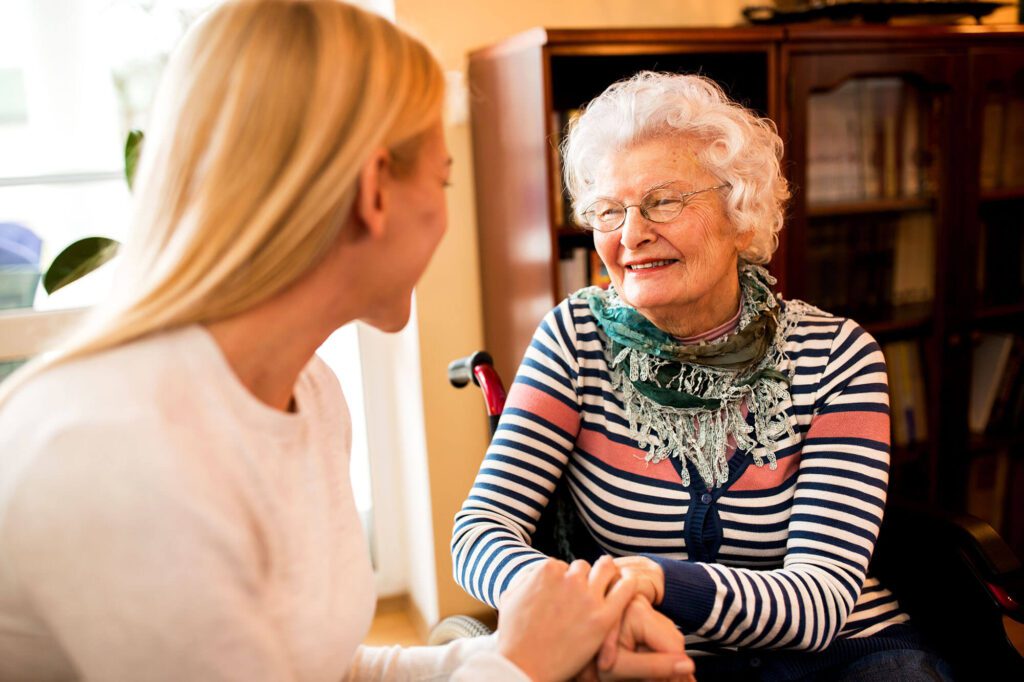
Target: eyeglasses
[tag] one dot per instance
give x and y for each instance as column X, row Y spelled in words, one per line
column 659, row 206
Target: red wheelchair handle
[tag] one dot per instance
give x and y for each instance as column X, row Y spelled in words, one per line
column 479, row 368
column 489, row 382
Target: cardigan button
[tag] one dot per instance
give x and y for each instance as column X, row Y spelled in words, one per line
column 706, row 498
column 755, row 662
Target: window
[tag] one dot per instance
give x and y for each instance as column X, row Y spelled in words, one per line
column 75, row 77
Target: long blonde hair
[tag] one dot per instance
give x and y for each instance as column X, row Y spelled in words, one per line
column 265, row 114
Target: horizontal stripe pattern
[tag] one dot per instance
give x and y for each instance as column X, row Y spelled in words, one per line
column 791, row 546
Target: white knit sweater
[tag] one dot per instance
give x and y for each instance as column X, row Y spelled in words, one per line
column 158, row 522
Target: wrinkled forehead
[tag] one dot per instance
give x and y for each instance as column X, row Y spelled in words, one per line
column 630, row 171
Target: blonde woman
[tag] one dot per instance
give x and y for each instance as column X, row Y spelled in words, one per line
column 174, row 493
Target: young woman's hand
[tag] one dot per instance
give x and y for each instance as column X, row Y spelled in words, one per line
column 554, row 621
column 650, row 578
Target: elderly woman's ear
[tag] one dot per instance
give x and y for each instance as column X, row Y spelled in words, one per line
column 744, row 240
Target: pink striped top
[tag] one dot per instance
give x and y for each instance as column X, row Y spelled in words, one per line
column 726, row 327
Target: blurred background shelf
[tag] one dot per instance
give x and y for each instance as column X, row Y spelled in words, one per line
column 895, row 205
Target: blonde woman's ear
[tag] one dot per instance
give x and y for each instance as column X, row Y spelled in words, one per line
column 371, row 202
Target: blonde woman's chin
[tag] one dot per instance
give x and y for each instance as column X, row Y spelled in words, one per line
column 390, row 319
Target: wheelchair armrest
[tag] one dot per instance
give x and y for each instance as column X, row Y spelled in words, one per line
column 983, row 547
column 963, row 538
column 988, row 550
column 958, row 581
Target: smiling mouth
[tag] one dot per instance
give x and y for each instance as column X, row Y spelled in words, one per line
column 652, row 264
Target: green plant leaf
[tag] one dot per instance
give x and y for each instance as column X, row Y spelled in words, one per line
column 132, row 148
column 78, row 260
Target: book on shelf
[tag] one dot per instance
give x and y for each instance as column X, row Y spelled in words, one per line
column 908, row 405
column 987, row 483
column 1013, row 521
column 827, row 266
column 561, row 202
column 866, row 141
column 850, row 265
column 1003, row 418
column 990, row 359
column 898, row 395
column 573, row 267
column 980, row 262
column 1014, row 420
column 864, row 268
column 992, row 119
column 834, row 132
column 1013, row 142
column 598, row 272
column 580, row 267
column 1001, row 257
column 868, row 176
column 1002, row 142
column 888, row 97
column 557, row 192
column 912, row 152
column 913, row 277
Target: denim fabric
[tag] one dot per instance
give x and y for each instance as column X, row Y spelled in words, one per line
column 905, row 665
column 896, row 665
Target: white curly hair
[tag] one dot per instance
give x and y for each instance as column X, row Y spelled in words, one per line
column 734, row 144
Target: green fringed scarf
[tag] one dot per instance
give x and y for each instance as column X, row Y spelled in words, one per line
column 685, row 400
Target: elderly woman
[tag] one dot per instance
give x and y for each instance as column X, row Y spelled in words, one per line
column 731, row 447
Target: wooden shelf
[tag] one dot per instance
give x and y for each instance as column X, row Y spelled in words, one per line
column 863, row 206
column 1002, row 194
column 1005, row 441
column 903, row 320
column 999, row 313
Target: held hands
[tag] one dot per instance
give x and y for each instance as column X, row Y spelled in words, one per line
column 649, row 577
column 557, row 617
column 648, row 646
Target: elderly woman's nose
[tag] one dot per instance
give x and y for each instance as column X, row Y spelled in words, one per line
column 637, row 229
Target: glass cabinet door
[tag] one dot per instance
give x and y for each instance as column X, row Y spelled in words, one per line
column 999, row 280
column 995, row 229
column 869, row 142
column 870, row 200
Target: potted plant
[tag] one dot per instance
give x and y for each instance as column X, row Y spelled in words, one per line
column 85, row 255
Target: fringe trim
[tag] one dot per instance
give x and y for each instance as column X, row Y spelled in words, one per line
column 699, row 435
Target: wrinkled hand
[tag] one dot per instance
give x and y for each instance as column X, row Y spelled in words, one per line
column 649, row 577
column 554, row 621
column 647, row 646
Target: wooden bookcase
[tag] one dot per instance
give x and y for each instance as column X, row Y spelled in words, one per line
column 893, row 227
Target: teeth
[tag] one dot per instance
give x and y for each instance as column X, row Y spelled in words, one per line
column 655, row 264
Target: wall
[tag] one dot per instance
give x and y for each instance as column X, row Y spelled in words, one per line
column 448, row 298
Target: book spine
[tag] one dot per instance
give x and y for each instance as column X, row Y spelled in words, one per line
column 1001, row 417
column 598, row 272
column 993, row 115
column 557, row 202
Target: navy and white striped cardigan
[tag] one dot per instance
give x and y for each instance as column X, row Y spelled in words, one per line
column 772, row 560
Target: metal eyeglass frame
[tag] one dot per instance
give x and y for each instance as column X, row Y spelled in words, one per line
column 643, row 209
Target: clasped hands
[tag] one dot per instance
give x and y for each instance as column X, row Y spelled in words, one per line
column 559, row 621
